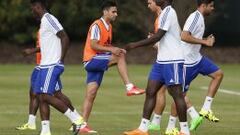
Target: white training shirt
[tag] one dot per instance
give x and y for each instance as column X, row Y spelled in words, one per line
column 95, row 31
column 195, row 26
column 169, row 47
column 50, row 44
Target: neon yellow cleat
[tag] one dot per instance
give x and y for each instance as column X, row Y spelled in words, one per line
column 195, row 123
column 172, row 131
column 26, row 127
column 209, row 115
column 154, row 127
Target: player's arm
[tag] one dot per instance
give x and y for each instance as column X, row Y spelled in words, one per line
column 30, row 51
column 65, row 42
column 115, row 50
column 187, row 37
column 149, row 41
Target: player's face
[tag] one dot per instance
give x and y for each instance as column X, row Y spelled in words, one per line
column 152, row 5
column 209, row 8
column 112, row 13
column 35, row 9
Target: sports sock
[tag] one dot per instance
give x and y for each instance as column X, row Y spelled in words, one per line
column 156, row 119
column 31, row 120
column 192, row 112
column 45, row 127
column 129, row 86
column 184, row 128
column 171, row 122
column 144, row 125
column 207, row 103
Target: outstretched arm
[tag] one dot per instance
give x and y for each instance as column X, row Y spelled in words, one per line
column 149, row 41
column 30, row 51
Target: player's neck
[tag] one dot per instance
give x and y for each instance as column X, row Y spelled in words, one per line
column 201, row 10
column 42, row 13
column 165, row 5
column 108, row 21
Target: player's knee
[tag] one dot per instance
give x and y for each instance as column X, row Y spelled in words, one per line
column 91, row 94
column 219, row 75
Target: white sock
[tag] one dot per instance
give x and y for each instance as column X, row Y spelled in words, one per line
column 144, row 125
column 171, row 122
column 192, row 112
column 45, row 127
column 31, row 120
column 156, row 119
column 76, row 113
column 71, row 115
column 129, row 86
column 207, row 103
column 184, row 128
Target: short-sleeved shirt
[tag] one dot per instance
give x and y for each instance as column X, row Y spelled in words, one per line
column 195, row 26
column 50, row 43
column 169, row 47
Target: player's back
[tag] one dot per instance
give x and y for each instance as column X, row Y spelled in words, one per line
column 169, row 46
column 50, row 44
column 195, row 26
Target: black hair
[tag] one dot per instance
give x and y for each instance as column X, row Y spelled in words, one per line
column 159, row 1
column 199, row 2
column 107, row 4
column 42, row 2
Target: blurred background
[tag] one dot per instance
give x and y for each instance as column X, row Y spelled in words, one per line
column 18, row 27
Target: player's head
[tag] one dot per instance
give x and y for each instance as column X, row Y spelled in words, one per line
column 163, row 2
column 109, row 9
column 38, row 7
column 206, row 5
column 152, row 5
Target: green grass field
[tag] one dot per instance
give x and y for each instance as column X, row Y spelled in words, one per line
column 113, row 112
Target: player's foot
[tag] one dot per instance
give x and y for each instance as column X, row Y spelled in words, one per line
column 195, row 123
column 172, row 131
column 77, row 125
column 209, row 115
column 87, row 129
column 45, row 133
column 26, row 127
column 182, row 133
column 135, row 91
column 135, row 132
column 154, row 127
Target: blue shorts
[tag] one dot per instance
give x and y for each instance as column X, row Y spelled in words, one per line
column 204, row 67
column 168, row 74
column 96, row 67
column 48, row 79
column 34, row 77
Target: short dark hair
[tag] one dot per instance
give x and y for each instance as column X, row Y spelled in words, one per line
column 159, row 1
column 107, row 4
column 42, row 2
column 199, row 2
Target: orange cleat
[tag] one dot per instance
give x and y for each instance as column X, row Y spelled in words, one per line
column 86, row 129
column 135, row 91
column 135, row 132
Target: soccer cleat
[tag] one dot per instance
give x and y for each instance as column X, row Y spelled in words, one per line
column 181, row 133
column 154, row 127
column 87, row 129
column 135, row 91
column 195, row 123
column 77, row 125
column 26, row 127
column 209, row 115
column 135, row 132
column 172, row 131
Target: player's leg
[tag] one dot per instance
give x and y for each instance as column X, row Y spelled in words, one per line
column 46, row 86
column 153, row 86
column 33, row 105
column 95, row 71
column 123, row 72
column 158, row 110
column 210, row 69
column 174, row 79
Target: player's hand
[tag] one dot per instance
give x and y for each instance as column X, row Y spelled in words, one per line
column 210, row 40
column 149, row 35
column 117, row 51
column 27, row 52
